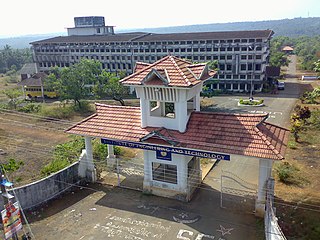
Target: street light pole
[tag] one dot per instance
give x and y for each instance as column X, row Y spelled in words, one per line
column 251, row 85
column 251, row 47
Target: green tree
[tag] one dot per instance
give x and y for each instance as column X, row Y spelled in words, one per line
column 109, row 85
column 13, row 57
column 13, row 94
column 75, row 82
column 317, row 67
column 277, row 57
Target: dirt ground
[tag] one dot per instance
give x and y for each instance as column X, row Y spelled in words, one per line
column 298, row 205
column 28, row 139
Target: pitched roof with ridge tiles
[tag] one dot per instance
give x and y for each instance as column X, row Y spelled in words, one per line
column 240, row 134
column 35, row 80
column 176, row 71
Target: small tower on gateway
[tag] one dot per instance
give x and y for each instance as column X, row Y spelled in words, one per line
column 169, row 91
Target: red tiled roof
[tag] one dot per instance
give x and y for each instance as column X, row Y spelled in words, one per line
column 241, row 134
column 140, row 65
column 178, row 72
column 115, row 122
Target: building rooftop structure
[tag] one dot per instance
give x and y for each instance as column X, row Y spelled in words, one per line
column 35, row 80
column 150, row 37
column 242, row 134
column 171, row 71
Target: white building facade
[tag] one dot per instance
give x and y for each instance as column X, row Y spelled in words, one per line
column 242, row 55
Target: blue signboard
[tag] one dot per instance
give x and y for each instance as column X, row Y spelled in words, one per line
column 170, row 150
column 163, row 155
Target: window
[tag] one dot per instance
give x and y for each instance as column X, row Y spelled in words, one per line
column 164, row 172
column 258, row 67
column 243, row 67
column 162, row 109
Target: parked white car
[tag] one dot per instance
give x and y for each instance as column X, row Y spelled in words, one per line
column 281, row 86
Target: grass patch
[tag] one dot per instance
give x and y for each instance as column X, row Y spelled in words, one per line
column 66, row 111
column 289, row 173
column 292, row 145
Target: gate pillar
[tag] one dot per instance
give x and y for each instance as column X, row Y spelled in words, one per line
column 111, row 158
column 91, row 173
column 265, row 168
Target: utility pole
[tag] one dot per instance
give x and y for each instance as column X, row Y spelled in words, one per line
column 5, row 197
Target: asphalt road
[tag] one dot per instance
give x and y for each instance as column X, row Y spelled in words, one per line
column 278, row 105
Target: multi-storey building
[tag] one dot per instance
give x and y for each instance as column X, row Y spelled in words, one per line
column 242, row 55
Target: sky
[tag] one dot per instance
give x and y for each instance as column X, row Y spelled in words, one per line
column 24, row 17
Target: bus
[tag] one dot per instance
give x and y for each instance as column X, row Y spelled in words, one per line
column 35, row 92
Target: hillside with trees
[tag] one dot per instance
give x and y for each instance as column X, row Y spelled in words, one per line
column 305, row 47
column 13, row 59
column 286, row 27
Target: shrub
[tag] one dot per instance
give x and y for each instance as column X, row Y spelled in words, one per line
column 54, row 166
column 12, row 165
column 286, row 172
column 100, row 151
column 70, row 150
column 60, row 112
column 118, row 150
column 315, row 119
column 253, row 102
column 292, row 145
column 63, row 155
column 30, row 108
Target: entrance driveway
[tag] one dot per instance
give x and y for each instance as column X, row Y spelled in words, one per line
column 102, row 212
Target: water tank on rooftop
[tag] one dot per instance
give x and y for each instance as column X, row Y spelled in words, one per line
column 93, row 21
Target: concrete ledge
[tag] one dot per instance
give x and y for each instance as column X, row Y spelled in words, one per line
column 168, row 193
column 38, row 192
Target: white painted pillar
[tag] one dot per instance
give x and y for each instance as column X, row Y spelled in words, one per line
column 144, row 112
column 182, row 115
column 265, row 168
column 147, row 178
column 111, row 158
column 91, row 171
column 183, row 174
column 196, row 102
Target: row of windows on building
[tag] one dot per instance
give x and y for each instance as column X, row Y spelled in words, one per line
column 128, row 66
column 236, row 86
column 152, row 58
column 165, row 49
column 157, row 43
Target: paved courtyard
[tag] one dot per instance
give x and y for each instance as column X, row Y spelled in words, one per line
column 102, row 212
